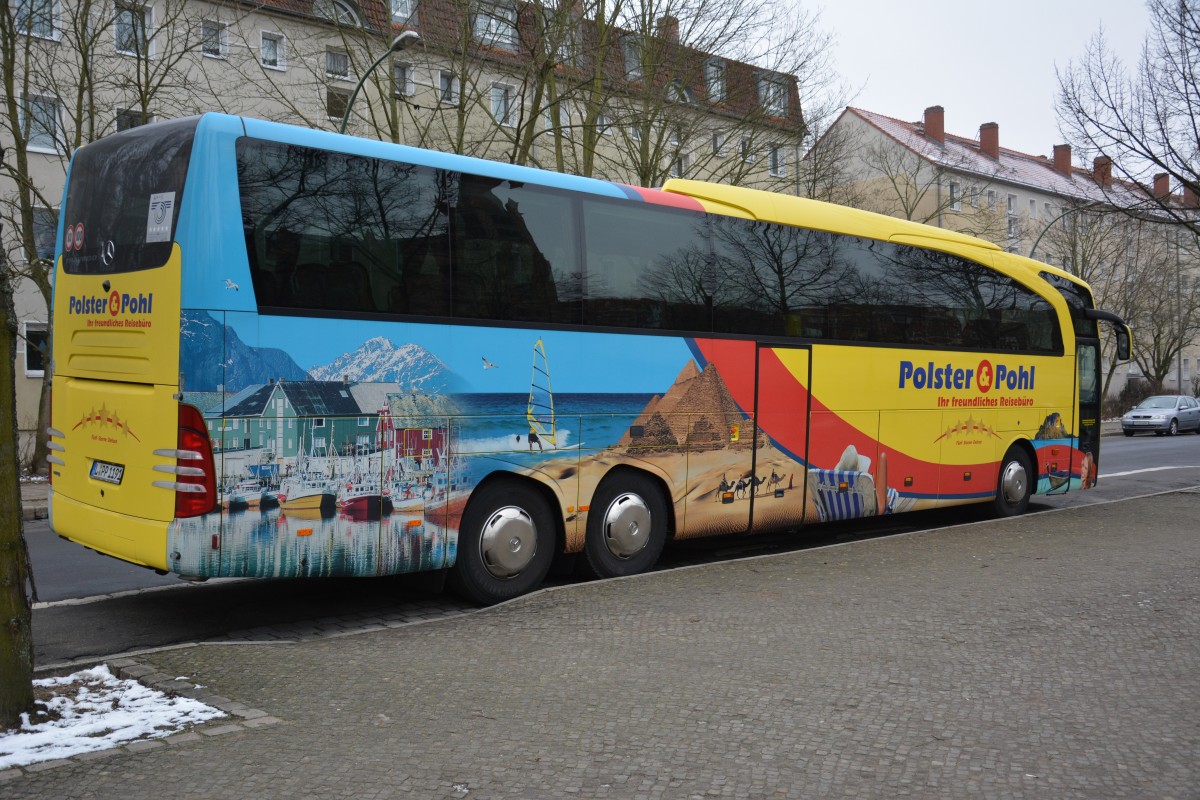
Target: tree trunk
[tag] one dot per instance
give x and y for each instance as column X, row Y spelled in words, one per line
column 16, row 636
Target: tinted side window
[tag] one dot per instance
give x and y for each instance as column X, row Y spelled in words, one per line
column 1078, row 299
column 514, row 252
column 331, row 231
column 647, row 267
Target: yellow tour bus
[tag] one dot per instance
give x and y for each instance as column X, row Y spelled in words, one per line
column 286, row 352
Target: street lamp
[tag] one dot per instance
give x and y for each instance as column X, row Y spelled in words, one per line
column 401, row 42
column 1070, row 210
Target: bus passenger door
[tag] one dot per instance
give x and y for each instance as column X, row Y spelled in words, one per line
column 1087, row 355
column 780, row 497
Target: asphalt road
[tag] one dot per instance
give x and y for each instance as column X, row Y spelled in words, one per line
column 91, row 605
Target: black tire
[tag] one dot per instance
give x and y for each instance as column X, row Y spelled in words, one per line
column 1174, row 429
column 1127, row 433
column 1014, row 486
column 626, row 527
column 502, row 520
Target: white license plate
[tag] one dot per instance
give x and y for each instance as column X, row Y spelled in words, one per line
column 109, row 473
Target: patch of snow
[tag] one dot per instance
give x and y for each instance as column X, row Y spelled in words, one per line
column 97, row 711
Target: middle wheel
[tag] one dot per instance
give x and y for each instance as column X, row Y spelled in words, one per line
column 627, row 526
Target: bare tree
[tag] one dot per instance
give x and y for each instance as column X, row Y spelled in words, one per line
column 1145, row 118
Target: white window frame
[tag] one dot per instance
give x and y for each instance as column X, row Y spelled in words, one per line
column 1032, row 208
column 56, row 135
column 773, row 95
column 222, row 39
column 280, row 50
column 51, row 235
column 714, row 80
column 631, row 53
column 746, row 150
column 448, row 88
column 604, row 124
column 54, row 13
column 121, row 111
column 338, row 53
column 494, row 23
column 777, row 162
column 403, row 10
column 40, row 327
column 504, row 104
column 955, row 196
column 337, row 12
column 405, row 87
column 1011, row 206
column 991, row 198
column 679, row 166
column 122, row 6
column 720, row 144
column 330, row 91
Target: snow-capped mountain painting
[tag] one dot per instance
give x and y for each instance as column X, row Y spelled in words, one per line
column 379, row 360
column 212, row 355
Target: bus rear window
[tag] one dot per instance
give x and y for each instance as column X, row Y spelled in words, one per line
column 123, row 199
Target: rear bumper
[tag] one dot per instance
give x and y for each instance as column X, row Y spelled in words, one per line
column 133, row 539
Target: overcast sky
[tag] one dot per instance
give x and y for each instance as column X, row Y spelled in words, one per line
column 988, row 61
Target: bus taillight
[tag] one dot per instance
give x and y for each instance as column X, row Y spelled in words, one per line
column 195, row 481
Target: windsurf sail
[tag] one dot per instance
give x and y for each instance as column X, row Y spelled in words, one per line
column 540, row 410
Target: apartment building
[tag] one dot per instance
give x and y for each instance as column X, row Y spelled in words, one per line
column 548, row 85
column 1046, row 207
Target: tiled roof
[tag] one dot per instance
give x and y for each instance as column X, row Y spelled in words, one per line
column 963, row 155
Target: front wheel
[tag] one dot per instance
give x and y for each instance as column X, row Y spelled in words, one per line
column 505, row 543
column 1015, row 485
column 1127, row 433
column 1174, row 429
column 627, row 526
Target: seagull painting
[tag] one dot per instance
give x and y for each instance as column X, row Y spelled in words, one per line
column 230, row 285
column 487, row 364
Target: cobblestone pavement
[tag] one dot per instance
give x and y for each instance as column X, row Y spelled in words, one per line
column 1050, row 656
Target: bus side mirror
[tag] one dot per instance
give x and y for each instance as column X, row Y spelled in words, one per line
column 1124, row 343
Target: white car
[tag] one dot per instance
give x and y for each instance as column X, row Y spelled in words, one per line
column 1163, row 414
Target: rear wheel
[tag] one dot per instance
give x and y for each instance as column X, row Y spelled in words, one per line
column 627, row 526
column 1015, row 485
column 505, row 544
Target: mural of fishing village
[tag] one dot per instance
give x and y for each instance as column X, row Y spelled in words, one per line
column 363, row 465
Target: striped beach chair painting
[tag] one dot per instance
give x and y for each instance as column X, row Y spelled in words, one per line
column 847, row 494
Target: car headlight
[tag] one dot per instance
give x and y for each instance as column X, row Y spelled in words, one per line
column 1159, row 417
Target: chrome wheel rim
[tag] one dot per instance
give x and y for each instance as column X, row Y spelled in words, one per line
column 1013, row 482
column 627, row 526
column 508, row 543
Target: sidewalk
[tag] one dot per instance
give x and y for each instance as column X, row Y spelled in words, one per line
column 1054, row 655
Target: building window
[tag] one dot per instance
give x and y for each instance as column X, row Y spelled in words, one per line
column 777, row 162
column 337, row 63
column 448, row 89
column 402, row 85
column 604, row 124
column 678, row 93
column 495, row 24
column 714, row 79
column 133, row 25
column 679, row 166
column 1033, row 209
column 37, row 337
column 272, row 51
column 214, row 39
column 1048, row 211
column 631, row 49
column 336, row 11
column 336, row 103
column 745, row 150
column 40, row 123
column 403, row 10
column 719, row 141
column 955, row 196
column 45, row 231
column 773, row 95
column 1012, row 227
column 991, row 198
column 127, row 119
column 38, row 18
column 1012, row 204
column 504, row 104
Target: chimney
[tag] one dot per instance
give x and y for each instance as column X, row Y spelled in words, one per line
column 1162, row 186
column 345, row 380
column 668, row 29
column 1190, row 198
column 1102, row 171
column 935, row 124
column 989, row 140
column 1062, row 159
